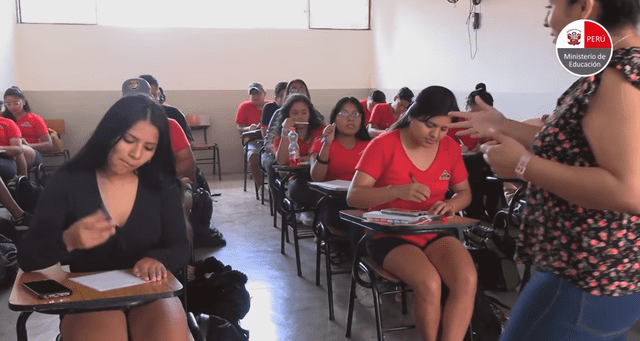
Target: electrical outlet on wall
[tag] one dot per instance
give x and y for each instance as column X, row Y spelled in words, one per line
column 475, row 20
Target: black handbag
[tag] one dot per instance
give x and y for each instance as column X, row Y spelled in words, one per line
column 493, row 254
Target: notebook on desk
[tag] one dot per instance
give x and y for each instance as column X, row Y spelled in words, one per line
column 334, row 185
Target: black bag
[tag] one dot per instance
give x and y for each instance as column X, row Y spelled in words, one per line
column 8, row 260
column 205, row 234
column 216, row 289
column 493, row 253
column 215, row 328
column 26, row 193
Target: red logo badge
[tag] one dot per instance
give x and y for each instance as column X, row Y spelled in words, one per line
column 445, row 176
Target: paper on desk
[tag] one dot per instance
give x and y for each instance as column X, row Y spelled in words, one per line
column 109, row 280
column 336, row 185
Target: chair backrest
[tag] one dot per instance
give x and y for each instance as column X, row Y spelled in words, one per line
column 56, row 124
column 198, row 120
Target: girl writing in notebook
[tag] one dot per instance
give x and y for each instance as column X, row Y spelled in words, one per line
column 116, row 205
column 411, row 167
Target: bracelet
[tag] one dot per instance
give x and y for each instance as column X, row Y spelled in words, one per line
column 521, row 167
column 322, row 161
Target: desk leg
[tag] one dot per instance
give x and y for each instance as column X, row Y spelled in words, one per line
column 21, row 325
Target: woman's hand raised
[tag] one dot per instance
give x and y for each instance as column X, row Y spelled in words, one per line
column 329, row 133
column 503, row 154
column 478, row 123
column 150, row 269
column 89, row 231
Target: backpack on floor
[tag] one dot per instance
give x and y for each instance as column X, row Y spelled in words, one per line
column 8, row 260
column 216, row 289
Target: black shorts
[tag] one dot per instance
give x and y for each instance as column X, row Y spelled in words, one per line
column 379, row 248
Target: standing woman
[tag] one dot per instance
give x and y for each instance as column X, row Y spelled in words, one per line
column 297, row 112
column 581, row 224
column 35, row 134
column 411, row 167
column 116, row 205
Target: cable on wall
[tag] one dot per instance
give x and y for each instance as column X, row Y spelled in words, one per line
column 473, row 23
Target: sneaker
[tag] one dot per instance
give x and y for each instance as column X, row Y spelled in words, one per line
column 22, row 223
column 364, row 296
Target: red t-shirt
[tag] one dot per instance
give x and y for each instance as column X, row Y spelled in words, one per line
column 248, row 114
column 382, row 116
column 179, row 140
column 32, row 127
column 367, row 113
column 386, row 161
column 467, row 140
column 303, row 147
column 342, row 161
column 8, row 130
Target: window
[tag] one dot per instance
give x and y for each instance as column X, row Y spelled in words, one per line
column 247, row 14
column 57, row 11
column 339, row 14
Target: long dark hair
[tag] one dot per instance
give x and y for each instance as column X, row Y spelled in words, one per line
column 14, row 91
column 616, row 13
column 481, row 90
column 430, row 102
column 116, row 122
column 362, row 133
column 314, row 121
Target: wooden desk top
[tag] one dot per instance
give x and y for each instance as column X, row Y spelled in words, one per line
column 84, row 298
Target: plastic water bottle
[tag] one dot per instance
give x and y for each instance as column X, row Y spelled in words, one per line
column 294, row 152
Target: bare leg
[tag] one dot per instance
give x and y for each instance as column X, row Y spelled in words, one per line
column 455, row 266
column 21, row 164
column 96, row 326
column 29, row 155
column 7, row 200
column 254, row 167
column 160, row 320
column 411, row 264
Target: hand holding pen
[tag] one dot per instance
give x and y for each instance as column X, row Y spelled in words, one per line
column 413, row 191
column 329, row 133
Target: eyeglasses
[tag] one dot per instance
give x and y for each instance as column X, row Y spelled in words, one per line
column 352, row 115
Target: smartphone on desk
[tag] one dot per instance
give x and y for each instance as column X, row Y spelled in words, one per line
column 47, row 289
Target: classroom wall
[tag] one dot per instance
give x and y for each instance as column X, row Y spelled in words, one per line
column 75, row 72
column 7, row 43
column 419, row 43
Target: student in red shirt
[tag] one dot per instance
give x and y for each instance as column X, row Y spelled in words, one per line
column 248, row 119
column 35, row 135
column 384, row 115
column 412, row 166
column 469, row 143
column 11, row 143
column 298, row 108
column 375, row 98
column 337, row 154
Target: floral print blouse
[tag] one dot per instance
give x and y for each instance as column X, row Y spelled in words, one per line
column 598, row 251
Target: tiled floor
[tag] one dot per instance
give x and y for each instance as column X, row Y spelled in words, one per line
column 283, row 306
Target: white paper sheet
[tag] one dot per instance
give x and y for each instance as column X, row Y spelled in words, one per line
column 109, row 280
column 335, row 185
